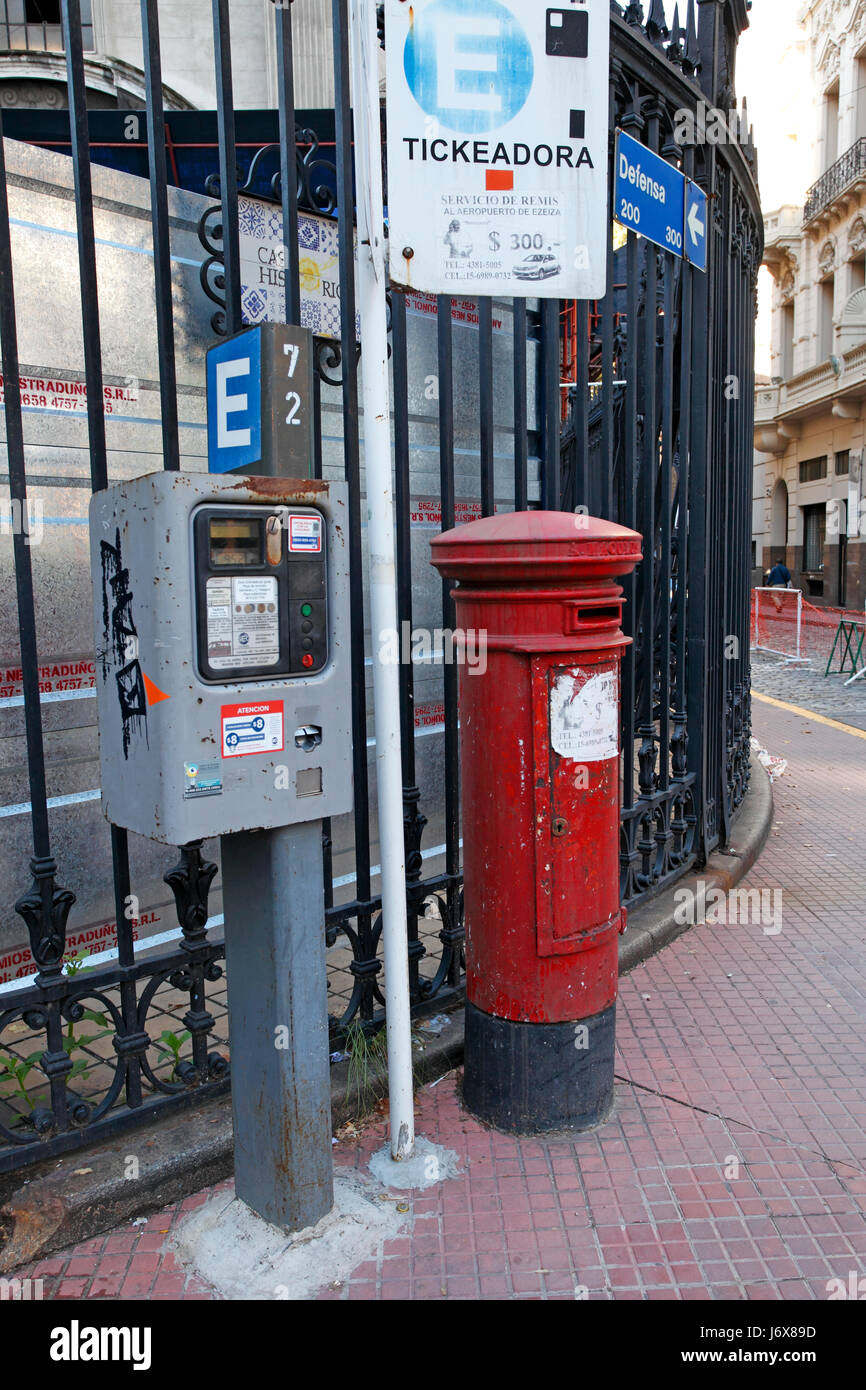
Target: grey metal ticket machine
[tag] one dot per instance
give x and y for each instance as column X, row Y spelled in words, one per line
column 221, row 609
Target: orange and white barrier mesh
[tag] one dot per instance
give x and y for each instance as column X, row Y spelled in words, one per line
column 785, row 623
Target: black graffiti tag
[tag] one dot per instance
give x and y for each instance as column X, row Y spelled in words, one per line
column 120, row 637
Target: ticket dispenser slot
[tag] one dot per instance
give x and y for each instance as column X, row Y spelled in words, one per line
column 261, row 592
column 308, row 737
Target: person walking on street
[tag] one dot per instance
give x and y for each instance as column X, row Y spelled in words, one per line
column 779, row 578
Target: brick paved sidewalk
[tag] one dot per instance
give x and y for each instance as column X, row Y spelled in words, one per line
column 735, row 1166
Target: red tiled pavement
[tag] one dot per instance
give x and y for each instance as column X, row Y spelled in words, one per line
column 735, row 1165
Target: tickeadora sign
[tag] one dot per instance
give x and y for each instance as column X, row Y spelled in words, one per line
column 498, row 146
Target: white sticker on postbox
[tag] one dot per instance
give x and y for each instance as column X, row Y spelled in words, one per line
column 584, row 715
column 252, row 728
column 305, row 534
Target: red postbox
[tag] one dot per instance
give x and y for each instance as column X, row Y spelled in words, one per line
column 540, row 756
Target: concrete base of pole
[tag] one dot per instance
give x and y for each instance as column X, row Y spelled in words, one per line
column 243, row 1257
column 535, row 1078
column 274, row 908
column 430, row 1164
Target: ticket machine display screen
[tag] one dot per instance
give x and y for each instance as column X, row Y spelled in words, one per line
column 261, row 592
column 237, row 543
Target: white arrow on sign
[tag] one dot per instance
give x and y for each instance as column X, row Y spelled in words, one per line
column 696, row 226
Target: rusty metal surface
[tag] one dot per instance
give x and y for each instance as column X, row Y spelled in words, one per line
column 541, row 836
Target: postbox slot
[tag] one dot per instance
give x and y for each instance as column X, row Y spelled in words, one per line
column 599, row 615
column 579, row 616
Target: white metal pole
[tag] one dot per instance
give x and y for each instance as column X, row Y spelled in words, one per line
column 799, row 619
column 372, row 284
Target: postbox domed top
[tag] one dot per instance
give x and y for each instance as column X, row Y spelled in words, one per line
column 533, row 546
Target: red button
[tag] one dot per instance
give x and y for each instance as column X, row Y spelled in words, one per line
column 308, row 660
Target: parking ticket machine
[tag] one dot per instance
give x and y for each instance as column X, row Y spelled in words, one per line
column 221, row 615
column 221, row 610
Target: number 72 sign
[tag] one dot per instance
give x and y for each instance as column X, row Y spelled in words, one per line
column 260, row 402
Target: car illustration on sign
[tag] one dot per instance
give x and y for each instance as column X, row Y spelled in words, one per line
column 540, row 265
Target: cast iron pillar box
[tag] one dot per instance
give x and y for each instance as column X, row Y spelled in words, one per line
column 540, row 755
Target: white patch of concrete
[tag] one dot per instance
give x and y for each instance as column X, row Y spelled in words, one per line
column 244, row 1257
column 429, row 1165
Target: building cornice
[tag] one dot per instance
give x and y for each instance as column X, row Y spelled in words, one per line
column 102, row 74
column 826, row 389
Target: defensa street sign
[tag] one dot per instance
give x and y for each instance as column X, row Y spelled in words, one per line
column 649, row 194
column 497, row 146
column 653, row 198
column 259, row 402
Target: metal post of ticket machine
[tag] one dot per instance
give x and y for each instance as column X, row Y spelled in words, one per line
column 221, row 612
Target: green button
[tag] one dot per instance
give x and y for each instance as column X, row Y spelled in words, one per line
column 307, row 610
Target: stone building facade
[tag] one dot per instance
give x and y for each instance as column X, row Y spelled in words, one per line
column 33, row 68
column 810, row 417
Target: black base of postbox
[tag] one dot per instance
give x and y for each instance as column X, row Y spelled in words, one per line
column 533, row 1078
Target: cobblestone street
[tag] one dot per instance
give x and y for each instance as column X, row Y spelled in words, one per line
column 807, row 687
column 735, row 1164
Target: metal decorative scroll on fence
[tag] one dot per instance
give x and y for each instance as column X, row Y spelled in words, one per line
column 657, row 435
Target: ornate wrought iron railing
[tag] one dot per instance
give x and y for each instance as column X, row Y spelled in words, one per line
column 668, row 452
column 851, row 166
column 657, row 437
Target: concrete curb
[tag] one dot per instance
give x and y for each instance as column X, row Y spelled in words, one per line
column 88, row 1193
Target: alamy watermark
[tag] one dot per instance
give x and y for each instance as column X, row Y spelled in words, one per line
column 77, row 1343
column 434, row 646
column 21, row 1290
column 744, row 907
column 707, row 125
column 850, row 518
column 852, row 1290
column 25, row 519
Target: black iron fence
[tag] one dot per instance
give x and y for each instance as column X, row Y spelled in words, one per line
column 658, row 436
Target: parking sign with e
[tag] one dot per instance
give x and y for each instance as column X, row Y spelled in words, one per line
column 498, row 146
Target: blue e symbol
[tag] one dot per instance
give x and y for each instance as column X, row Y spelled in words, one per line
column 473, row 72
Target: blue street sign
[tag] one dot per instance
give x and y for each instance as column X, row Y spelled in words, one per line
column 234, row 403
column 696, row 225
column 649, row 194
column 657, row 201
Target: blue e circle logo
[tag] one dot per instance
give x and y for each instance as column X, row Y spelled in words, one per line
column 471, row 72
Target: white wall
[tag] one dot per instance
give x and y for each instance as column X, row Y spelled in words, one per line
column 773, row 74
column 186, row 34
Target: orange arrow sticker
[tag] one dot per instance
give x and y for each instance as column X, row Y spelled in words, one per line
column 155, row 696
